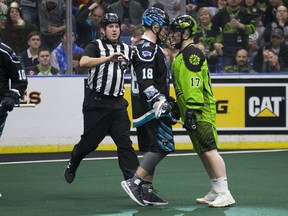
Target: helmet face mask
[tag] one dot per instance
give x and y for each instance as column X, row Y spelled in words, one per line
column 162, row 34
column 175, row 39
column 180, row 26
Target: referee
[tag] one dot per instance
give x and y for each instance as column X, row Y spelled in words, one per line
column 104, row 108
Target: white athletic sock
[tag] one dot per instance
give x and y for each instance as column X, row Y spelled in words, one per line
column 220, row 184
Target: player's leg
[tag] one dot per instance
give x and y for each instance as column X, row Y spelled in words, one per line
column 147, row 168
column 159, row 134
column 3, row 116
column 205, row 142
column 133, row 186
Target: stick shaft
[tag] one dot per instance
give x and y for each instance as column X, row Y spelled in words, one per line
column 25, row 105
column 177, row 121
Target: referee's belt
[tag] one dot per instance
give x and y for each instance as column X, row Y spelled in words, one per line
column 99, row 95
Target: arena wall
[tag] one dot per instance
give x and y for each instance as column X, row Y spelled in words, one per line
column 251, row 114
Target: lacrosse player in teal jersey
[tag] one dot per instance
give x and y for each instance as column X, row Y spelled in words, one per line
column 197, row 107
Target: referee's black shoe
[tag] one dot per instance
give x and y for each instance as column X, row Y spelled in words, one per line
column 69, row 175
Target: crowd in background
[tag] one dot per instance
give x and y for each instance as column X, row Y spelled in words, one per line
column 235, row 35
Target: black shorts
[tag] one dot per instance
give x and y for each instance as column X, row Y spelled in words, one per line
column 156, row 136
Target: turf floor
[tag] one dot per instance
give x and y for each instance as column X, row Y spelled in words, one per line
column 257, row 180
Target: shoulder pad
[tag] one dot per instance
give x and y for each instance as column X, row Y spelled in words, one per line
column 9, row 52
column 193, row 58
column 145, row 50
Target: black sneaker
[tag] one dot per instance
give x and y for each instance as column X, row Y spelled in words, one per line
column 133, row 188
column 150, row 197
column 69, row 174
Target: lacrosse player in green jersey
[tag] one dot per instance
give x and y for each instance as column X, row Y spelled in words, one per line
column 197, row 107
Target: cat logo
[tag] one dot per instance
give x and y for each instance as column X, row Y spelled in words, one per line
column 265, row 106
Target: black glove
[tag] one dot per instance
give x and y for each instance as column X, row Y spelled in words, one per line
column 175, row 112
column 10, row 99
column 190, row 120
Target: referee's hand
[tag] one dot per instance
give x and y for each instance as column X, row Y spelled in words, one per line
column 117, row 57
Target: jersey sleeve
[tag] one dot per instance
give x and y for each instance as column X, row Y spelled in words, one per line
column 92, row 49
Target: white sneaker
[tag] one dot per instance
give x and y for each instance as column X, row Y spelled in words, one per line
column 210, row 197
column 222, row 200
column 0, row 195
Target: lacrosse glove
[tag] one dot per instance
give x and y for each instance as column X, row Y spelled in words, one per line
column 190, row 120
column 160, row 105
column 175, row 112
column 10, row 99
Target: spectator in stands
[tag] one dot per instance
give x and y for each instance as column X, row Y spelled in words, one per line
column 172, row 7
column 193, row 6
column 59, row 54
column 158, row 5
column 256, row 39
column 29, row 10
column 280, row 22
column 277, row 44
column 29, row 57
column 262, row 5
column 77, row 69
column 136, row 35
column 130, row 13
column 249, row 4
column 3, row 13
column 272, row 64
column 87, row 3
column 270, row 13
column 204, row 35
column 221, row 4
column 88, row 24
column 16, row 30
column 241, row 63
column 52, row 15
column 44, row 67
column 234, row 25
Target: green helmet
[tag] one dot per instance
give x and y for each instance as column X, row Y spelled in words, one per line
column 182, row 23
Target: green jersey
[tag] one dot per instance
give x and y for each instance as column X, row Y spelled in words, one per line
column 192, row 84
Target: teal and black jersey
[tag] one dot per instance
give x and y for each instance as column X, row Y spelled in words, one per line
column 192, row 83
column 149, row 68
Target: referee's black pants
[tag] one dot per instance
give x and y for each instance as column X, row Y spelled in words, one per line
column 105, row 115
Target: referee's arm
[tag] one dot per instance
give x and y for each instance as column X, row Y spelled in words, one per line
column 89, row 62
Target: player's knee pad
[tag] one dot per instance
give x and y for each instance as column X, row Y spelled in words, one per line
column 150, row 160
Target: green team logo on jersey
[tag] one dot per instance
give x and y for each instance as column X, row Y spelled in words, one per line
column 194, row 60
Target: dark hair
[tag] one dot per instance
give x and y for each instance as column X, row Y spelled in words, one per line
column 77, row 55
column 43, row 49
column 33, row 33
column 159, row 5
column 9, row 23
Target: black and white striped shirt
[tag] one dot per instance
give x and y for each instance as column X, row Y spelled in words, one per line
column 107, row 78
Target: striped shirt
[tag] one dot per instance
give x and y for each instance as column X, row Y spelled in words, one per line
column 107, row 78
